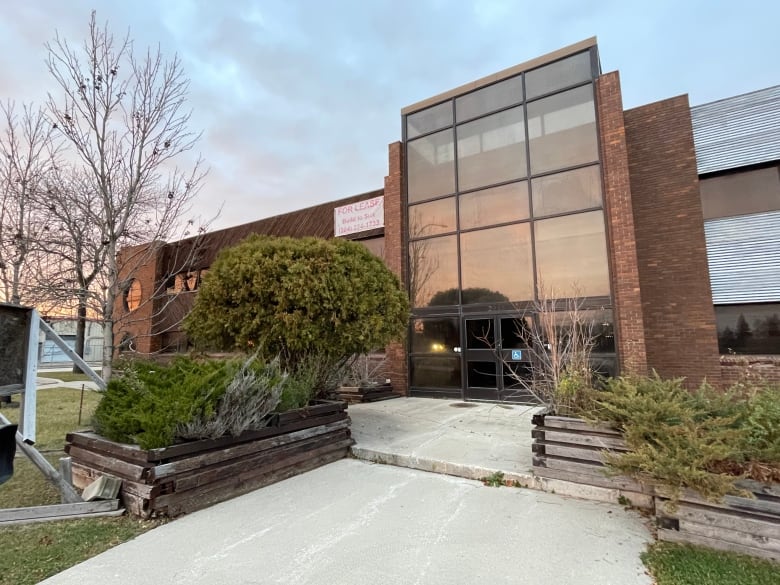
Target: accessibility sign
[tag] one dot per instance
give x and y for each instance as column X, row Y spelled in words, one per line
column 517, row 354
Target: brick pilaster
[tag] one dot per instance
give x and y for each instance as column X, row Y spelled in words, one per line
column 629, row 325
column 395, row 254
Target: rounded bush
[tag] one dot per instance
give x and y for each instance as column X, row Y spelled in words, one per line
column 296, row 297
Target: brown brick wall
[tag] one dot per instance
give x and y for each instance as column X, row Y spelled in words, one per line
column 629, row 324
column 394, row 256
column 141, row 263
column 747, row 368
column 679, row 317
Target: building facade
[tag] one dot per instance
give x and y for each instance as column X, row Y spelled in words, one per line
column 532, row 184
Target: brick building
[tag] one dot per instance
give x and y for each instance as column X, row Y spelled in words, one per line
column 664, row 220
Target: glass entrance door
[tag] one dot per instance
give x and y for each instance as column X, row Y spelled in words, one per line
column 497, row 358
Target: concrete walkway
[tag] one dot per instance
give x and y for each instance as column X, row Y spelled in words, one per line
column 356, row 522
column 353, row 522
column 466, row 439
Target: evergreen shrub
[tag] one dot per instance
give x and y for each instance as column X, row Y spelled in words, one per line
column 702, row 439
column 298, row 297
column 155, row 405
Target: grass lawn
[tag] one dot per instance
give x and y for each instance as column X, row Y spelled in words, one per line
column 57, row 415
column 33, row 552
column 674, row 564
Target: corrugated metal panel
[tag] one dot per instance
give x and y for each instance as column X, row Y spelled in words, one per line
column 738, row 131
column 744, row 257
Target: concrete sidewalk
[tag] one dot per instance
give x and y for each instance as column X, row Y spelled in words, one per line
column 353, row 522
column 471, row 440
column 53, row 381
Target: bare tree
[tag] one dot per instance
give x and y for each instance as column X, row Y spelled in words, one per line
column 125, row 117
column 28, row 155
column 71, row 268
column 560, row 335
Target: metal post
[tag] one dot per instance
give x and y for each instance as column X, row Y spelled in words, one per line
column 29, row 398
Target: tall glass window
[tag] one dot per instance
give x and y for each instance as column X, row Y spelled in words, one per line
column 432, row 218
column 492, row 206
column 571, row 255
column 496, row 265
column 491, row 150
column 562, row 130
column 429, row 120
column 558, row 75
column 433, row 271
column 504, row 198
column 489, row 99
column 567, row 192
column 431, row 166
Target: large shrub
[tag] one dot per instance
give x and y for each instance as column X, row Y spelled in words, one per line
column 296, row 298
column 702, row 439
column 155, row 405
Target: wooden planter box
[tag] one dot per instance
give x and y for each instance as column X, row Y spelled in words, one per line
column 189, row 476
column 372, row 393
column 571, row 449
column 744, row 525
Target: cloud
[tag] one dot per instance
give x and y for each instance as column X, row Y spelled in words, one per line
column 299, row 99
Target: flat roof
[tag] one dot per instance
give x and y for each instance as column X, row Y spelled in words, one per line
column 504, row 74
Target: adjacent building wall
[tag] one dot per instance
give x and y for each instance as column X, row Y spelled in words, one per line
column 679, row 319
column 141, row 263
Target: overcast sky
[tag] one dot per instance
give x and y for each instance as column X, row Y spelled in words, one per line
column 298, row 99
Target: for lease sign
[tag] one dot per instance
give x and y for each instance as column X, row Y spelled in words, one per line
column 362, row 216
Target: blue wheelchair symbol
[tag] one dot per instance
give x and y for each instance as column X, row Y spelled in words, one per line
column 517, row 354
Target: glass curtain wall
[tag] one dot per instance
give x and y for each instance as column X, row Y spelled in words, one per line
column 504, row 204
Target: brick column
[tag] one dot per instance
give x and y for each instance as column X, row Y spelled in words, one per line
column 679, row 316
column 629, row 326
column 395, row 254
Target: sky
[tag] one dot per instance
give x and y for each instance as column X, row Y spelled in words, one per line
column 298, row 99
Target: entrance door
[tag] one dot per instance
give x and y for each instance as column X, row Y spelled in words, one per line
column 497, row 358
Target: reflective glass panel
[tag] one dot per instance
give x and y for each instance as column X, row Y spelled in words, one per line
column 435, row 372
column 375, row 245
column 480, row 333
column 491, row 150
column 441, row 335
column 482, row 374
column 569, row 191
column 431, row 166
column 595, row 324
column 495, row 205
column 515, row 332
column 558, row 75
column 749, row 329
column 489, row 99
column 429, row 120
column 571, row 255
column 429, row 219
column 496, row 264
column 562, row 130
column 433, row 271
column 740, row 193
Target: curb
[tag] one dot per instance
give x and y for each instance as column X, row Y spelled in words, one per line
column 476, row 472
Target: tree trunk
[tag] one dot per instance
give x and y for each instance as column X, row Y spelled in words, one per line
column 108, row 311
column 81, row 326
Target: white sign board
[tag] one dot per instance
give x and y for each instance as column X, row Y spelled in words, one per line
column 362, row 216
